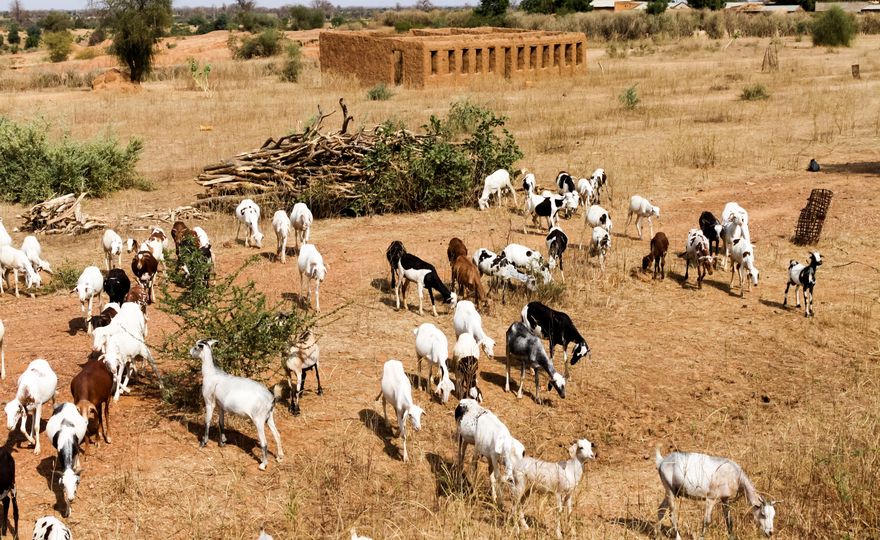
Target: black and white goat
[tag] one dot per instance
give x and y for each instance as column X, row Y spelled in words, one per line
column 558, row 328
column 557, row 243
column 67, row 429
column 424, row 275
column 393, row 253
column 803, row 275
column 711, row 228
column 565, row 182
column 548, row 207
column 526, row 349
column 7, row 492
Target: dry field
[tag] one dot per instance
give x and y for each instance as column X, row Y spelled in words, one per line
column 794, row 400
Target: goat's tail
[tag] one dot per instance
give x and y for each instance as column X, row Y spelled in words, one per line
column 378, row 397
column 683, row 255
column 658, row 457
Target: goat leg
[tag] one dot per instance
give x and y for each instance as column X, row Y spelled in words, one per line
column 221, row 423
column 320, row 391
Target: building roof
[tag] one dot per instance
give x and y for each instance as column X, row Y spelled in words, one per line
column 849, row 7
column 603, row 4
column 758, row 7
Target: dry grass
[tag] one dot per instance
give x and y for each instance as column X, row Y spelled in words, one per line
column 794, row 401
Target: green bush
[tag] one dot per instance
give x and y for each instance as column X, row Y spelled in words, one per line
column 266, row 43
column 59, row 45
column 33, row 169
column 97, row 36
column 656, row 7
column 137, row 26
column 13, row 37
column 754, row 92
column 252, row 333
column 64, row 278
column 32, row 40
column 293, row 64
column 304, row 18
column 380, row 92
column 56, row 21
column 834, row 28
column 629, row 98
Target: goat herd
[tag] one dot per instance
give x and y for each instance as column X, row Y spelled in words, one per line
column 119, row 334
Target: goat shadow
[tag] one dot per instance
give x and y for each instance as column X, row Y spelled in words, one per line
column 447, row 479
column 775, row 304
column 528, row 384
column 15, row 440
column 75, row 325
column 640, row 526
column 381, row 285
column 861, row 167
column 301, row 302
column 382, row 429
column 235, row 438
column 46, row 468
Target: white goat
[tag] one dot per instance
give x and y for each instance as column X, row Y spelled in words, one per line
column 397, row 390
column 597, row 216
column 122, row 342
column 237, row 395
column 468, row 320
column 585, row 189
column 642, row 209
column 5, row 239
column 600, row 244
column 2, row 350
column 311, row 264
column 34, row 251
column 713, row 479
column 560, row 478
column 480, row 427
column 89, row 285
column 16, row 261
column 301, row 218
column 51, row 528
column 431, row 345
column 36, row 386
column 281, row 224
column 734, row 213
column 248, row 213
column 302, row 356
column 496, row 183
column 67, row 429
column 528, row 261
column 743, row 255
column 112, row 244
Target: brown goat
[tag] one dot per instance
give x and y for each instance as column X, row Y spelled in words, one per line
column 659, row 247
column 137, row 294
column 467, row 275
column 466, row 378
column 456, row 249
column 180, row 233
column 91, row 388
column 104, row 318
column 144, row 266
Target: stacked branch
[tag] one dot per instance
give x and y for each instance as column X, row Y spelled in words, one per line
column 182, row 213
column 61, row 215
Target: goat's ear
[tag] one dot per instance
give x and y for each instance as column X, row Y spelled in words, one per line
column 211, row 342
column 774, row 503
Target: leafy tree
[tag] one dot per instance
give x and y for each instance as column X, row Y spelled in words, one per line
column 834, row 28
column 59, row 45
column 137, row 25
column 305, row 18
column 97, row 36
column 492, row 8
column 325, row 6
column 714, row 5
column 33, row 37
column 656, row 7
column 56, row 21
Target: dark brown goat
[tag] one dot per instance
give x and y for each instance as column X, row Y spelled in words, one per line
column 659, row 247
column 91, row 388
column 104, row 318
column 180, row 233
column 144, row 266
column 467, row 275
column 456, row 249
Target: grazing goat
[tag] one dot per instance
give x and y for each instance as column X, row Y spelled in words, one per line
column 801, row 275
column 642, row 209
column 51, row 528
column 697, row 254
column 89, row 285
column 659, row 248
column 526, row 348
column 122, row 342
column 467, row 275
column 111, row 309
column 431, row 345
column 585, row 190
column 465, row 355
column 598, row 179
column 713, row 479
column 467, row 320
column 138, row 295
column 181, row 234
column 237, row 395
column 397, row 389
column 548, row 207
column 557, row 243
column 8, row 492
column 558, row 328
column 600, row 244
column 527, row 260
column 560, row 478
column 112, row 244
column 248, row 213
column 91, row 389
column 424, row 275
column 496, row 183
column 116, row 285
column 311, row 265
column 301, row 220
column 302, row 356
column 597, row 216
column 67, row 429
column 145, row 266
column 2, row 350
column 711, row 228
column 281, row 224
column 36, row 386
column 31, row 247
column 565, row 183
column 456, row 249
column 503, row 272
column 480, row 427
column 393, row 253
column 16, row 261
column 743, row 255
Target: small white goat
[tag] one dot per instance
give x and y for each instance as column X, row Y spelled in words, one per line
column 237, row 395
column 281, row 224
column 743, row 255
column 478, row 426
column 431, row 345
column 36, row 386
column 642, row 209
column 51, row 528
column 302, row 356
column 468, row 320
column 597, row 216
column 67, row 429
column 248, row 213
column 713, row 479
column 34, row 251
column 112, row 244
column 301, row 218
column 89, row 285
column 311, row 264
column 397, row 390
column 16, row 261
column 585, row 189
column 560, row 478
column 600, row 244
column 496, row 183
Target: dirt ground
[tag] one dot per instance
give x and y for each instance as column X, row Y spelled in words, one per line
column 672, row 365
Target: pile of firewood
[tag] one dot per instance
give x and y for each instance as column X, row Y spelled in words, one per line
column 181, row 213
column 289, row 166
column 61, row 215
